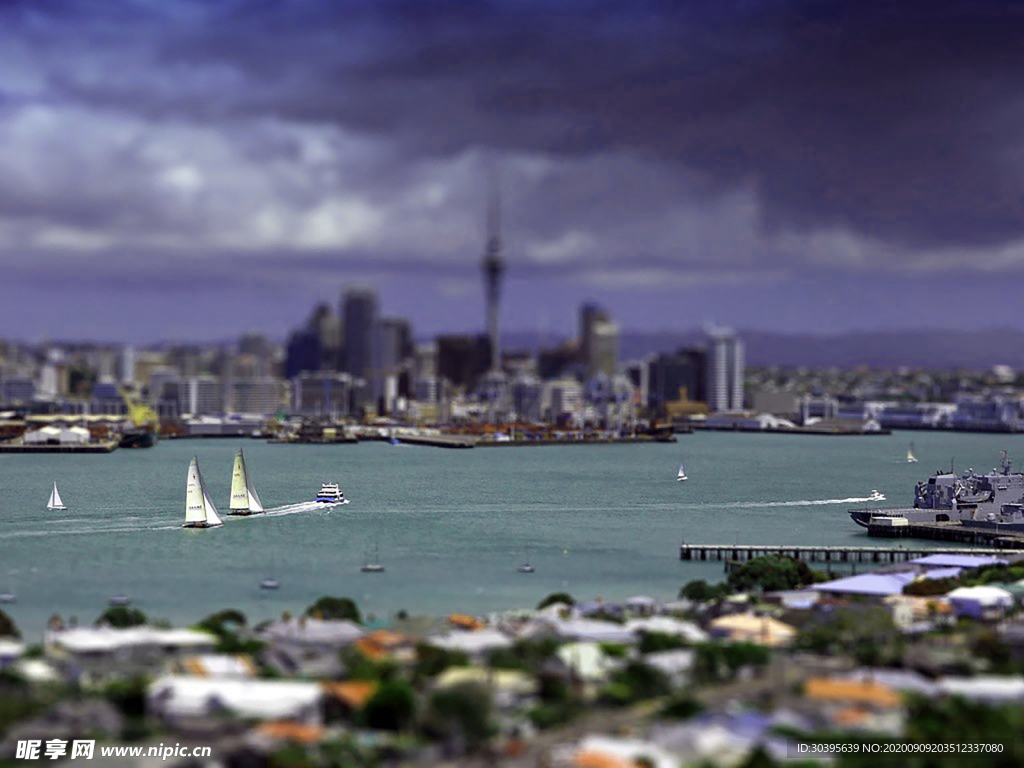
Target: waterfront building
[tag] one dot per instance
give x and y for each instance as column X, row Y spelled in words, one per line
column 725, row 370
column 205, row 396
column 255, row 395
column 106, row 399
column 676, row 377
column 322, row 393
column 392, row 339
column 527, row 393
column 566, row 401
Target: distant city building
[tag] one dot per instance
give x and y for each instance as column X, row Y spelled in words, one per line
column 725, row 371
column 527, row 398
column 603, row 349
column 322, row 393
column 590, row 315
column 106, row 399
column 302, row 353
column 463, row 360
column 255, row 395
column 566, row 401
column 392, row 341
column 671, row 377
column 327, row 327
column 359, row 313
column 205, row 396
column 126, row 366
column 558, row 361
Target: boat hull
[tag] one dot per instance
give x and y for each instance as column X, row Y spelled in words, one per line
column 242, row 513
column 138, row 440
column 863, row 516
column 200, row 525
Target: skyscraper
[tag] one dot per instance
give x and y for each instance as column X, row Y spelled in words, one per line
column 493, row 269
column 359, row 313
column 725, row 371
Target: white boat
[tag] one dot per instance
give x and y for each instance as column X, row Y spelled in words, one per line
column 8, row 597
column 200, row 511
column 330, row 493
column 244, row 499
column 270, row 583
column 911, row 458
column 876, row 496
column 375, row 566
column 55, row 502
column 120, row 600
column 525, row 568
column 681, row 475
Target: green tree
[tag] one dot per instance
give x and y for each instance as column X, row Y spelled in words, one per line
column 701, row 592
column 770, row 574
column 556, row 597
column 460, row 715
column 865, row 632
column 122, row 617
column 7, row 627
column 391, row 708
column 431, row 661
column 336, row 608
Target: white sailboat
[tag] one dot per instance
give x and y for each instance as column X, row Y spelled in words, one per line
column 911, row 458
column 55, row 502
column 681, row 475
column 244, row 499
column 200, row 511
column 375, row 566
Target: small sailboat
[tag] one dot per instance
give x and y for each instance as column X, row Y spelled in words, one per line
column 681, row 475
column 375, row 566
column 55, row 501
column 200, row 511
column 525, row 568
column 270, row 582
column 911, row 458
column 120, row 600
column 244, row 499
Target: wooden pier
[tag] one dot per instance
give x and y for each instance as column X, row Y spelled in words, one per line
column 836, row 554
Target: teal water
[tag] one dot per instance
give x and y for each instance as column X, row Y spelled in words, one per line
column 452, row 526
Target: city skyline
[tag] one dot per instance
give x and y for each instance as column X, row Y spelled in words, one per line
column 194, row 171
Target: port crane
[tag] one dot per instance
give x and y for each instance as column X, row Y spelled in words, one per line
column 139, row 414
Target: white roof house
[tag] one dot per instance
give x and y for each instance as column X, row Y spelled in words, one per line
column 177, row 697
column 74, row 435
column 475, row 643
column 666, row 625
column 42, row 435
column 309, row 632
column 980, row 601
column 98, row 641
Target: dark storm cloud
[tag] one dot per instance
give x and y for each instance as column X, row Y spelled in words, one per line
column 899, row 121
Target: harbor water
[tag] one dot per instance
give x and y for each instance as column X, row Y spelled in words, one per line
column 451, row 527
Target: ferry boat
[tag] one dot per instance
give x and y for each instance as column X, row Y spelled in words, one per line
column 330, row 493
column 968, row 498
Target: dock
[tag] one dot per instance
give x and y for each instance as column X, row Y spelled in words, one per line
column 949, row 531
column 831, row 554
column 106, row 446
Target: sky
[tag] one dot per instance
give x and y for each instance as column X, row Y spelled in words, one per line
column 195, row 169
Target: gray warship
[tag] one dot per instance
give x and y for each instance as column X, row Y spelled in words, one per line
column 995, row 498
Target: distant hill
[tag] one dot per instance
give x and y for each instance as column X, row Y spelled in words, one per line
column 877, row 349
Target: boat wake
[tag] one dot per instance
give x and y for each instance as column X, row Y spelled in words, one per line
column 296, row 509
column 797, row 503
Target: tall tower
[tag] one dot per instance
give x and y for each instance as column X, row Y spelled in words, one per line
column 493, row 268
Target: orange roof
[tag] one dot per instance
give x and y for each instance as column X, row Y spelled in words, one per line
column 369, row 649
column 354, row 693
column 464, row 621
column 385, row 638
column 852, row 691
column 589, row 759
column 850, row 716
column 286, row 731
